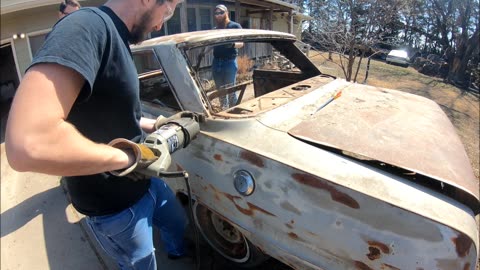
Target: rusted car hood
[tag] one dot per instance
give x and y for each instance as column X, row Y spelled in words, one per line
column 396, row 128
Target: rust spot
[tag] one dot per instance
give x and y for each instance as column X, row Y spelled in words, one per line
column 388, row 266
column 215, row 192
column 462, row 244
column 251, row 207
column 293, row 235
column 289, row 226
column 384, row 248
column 256, row 208
column 292, row 221
column 218, row 157
column 466, row 266
column 252, row 158
column 179, row 168
column 362, row 266
column 336, row 195
column 374, row 253
column 231, row 197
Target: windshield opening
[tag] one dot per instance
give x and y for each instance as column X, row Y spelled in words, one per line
column 232, row 74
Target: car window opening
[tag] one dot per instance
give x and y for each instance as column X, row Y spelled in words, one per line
column 154, row 87
column 234, row 85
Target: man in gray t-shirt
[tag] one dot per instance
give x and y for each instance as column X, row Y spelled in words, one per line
column 224, row 66
column 80, row 93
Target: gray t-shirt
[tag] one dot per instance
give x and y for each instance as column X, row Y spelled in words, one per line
column 94, row 42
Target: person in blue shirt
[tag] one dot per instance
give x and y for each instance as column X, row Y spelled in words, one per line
column 68, row 6
column 224, row 66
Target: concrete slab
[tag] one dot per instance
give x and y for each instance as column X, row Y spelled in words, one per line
column 35, row 231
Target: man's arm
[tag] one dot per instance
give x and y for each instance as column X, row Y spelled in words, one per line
column 238, row 45
column 38, row 137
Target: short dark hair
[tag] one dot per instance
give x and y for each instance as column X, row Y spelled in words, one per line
column 65, row 3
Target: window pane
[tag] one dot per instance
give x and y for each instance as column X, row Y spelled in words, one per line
column 205, row 19
column 36, row 42
column 145, row 61
column 174, row 23
column 191, row 19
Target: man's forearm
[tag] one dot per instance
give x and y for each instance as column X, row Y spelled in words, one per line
column 64, row 151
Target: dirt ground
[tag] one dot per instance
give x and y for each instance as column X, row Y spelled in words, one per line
column 461, row 106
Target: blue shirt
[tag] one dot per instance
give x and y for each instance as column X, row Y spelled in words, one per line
column 227, row 51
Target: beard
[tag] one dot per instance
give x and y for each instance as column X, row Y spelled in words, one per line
column 140, row 30
column 221, row 22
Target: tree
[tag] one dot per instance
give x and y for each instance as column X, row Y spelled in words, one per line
column 449, row 28
column 350, row 28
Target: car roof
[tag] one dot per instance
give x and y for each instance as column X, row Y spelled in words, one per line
column 199, row 38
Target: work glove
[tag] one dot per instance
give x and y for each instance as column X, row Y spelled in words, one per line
column 162, row 120
column 144, row 156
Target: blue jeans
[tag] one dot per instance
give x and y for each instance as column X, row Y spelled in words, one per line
column 224, row 74
column 127, row 236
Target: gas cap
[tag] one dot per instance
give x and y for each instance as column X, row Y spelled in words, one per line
column 243, row 182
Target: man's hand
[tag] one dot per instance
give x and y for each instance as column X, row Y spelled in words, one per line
column 140, row 157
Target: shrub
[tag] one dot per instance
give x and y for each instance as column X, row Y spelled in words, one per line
column 244, row 63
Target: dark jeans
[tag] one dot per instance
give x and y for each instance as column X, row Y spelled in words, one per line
column 224, row 74
column 128, row 236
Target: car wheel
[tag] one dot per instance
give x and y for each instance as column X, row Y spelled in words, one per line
column 226, row 240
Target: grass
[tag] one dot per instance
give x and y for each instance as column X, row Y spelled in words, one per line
column 461, row 106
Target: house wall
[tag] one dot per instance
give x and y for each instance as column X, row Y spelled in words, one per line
column 31, row 22
column 38, row 21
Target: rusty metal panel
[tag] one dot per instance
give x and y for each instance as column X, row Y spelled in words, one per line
column 400, row 129
column 309, row 222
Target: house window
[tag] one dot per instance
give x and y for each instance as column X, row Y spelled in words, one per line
column 191, row 20
column 205, row 19
column 36, row 42
column 173, row 25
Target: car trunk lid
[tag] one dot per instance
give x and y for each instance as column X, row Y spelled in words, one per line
column 396, row 128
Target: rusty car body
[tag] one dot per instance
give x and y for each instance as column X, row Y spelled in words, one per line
column 373, row 179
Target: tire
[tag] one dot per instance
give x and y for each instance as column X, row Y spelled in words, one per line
column 226, row 240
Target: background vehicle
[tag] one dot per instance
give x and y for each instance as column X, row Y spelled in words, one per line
column 374, row 179
column 398, row 57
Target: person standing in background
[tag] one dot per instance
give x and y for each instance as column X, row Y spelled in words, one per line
column 224, row 66
column 68, row 6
